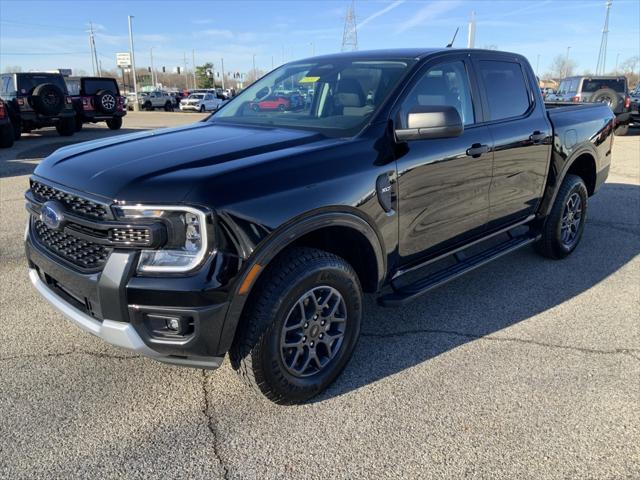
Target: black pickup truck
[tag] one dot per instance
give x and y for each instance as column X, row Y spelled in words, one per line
column 254, row 233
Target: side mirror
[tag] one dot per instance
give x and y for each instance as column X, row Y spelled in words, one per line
column 431, row 121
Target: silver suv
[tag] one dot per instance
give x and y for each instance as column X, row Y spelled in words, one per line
column 157, row 99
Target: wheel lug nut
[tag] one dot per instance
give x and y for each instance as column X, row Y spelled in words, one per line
column 322, row 335
column 315, row 317
column 312, row 344
column 323, row 322
column 304, row 339
column 306, row 325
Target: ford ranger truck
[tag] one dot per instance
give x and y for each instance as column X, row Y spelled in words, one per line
column 254, row 233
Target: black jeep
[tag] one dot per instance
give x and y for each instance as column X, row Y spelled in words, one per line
column 96, row 99
column 37, row 100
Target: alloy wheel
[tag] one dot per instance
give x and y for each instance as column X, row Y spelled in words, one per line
column 571, row 219
column 313, row 331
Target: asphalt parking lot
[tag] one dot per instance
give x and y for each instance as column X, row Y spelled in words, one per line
column 526, row 368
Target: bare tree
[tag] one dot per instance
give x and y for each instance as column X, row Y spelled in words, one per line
column 562, row 67
column 12, row 69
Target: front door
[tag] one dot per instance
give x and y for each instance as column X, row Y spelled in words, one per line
column 443, row 184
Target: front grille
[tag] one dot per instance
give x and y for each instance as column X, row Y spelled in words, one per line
column 78, row 252
column 80, row 206
column 130, row 235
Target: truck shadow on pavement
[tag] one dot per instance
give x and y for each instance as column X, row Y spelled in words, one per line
column 26, row 153
column 500, row 295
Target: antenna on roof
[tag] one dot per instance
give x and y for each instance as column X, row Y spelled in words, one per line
column 453, row 39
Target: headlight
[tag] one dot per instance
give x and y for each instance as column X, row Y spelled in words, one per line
column 187, row 237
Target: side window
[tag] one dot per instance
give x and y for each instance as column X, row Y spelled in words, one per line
column 443, row 84
column 506, row 89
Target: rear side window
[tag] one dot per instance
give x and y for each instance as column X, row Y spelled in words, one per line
column 92, row 86
column 590, row 85
column 73, row 85
column 569, row 85
column 6, row 85
column 506, row 89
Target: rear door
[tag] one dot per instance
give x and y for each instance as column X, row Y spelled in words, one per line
column 517, row 120
column 443, row 184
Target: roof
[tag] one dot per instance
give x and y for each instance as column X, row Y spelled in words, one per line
column 394, row 54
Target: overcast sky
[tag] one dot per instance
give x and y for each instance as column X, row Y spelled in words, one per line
column 52, row 34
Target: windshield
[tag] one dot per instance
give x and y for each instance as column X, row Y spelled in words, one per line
column 335, row 97
column 196, row 97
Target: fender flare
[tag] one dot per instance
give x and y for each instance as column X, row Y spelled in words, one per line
column 276, row 243
column 551, row 192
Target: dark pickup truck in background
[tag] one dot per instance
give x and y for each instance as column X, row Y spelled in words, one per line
column 254, row 233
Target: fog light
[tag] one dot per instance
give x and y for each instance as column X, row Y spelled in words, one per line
column 173, row 324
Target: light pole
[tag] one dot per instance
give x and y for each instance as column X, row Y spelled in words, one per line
column 254, row 67
column 136, row 107
column 154, row 80
column 566, row 63
column 538, row 65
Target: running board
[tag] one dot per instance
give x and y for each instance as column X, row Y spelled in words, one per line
column 403, row 295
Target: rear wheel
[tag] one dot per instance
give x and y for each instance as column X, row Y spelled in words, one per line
column 66, row 126
column 148, row 106
column 114, row 123
column 564, row 226
column 301, row 327
column 17, row 128
column 202, row 109
column 6, row 136
column 78, row 123
column 168, row 107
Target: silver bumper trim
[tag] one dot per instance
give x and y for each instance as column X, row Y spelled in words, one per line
column 119, row 334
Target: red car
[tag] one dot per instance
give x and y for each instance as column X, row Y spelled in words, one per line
column 271, row 103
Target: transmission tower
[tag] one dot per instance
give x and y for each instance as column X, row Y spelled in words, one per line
column 350, row 35
column 602, row 55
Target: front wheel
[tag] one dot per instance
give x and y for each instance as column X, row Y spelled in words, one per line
column 6, row 136
column 202, row 109
column 301, row 326
column 564, row 226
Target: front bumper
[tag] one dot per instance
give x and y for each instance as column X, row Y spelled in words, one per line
column 195, row 108
column 116, row 306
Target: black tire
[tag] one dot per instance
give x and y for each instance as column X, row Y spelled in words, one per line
column 17, row 129
column 47, row 99
column 621, row 131
column 202, row 109
column 168, row 107
column 106, row 101
column 148, row 106
column 255, row 107
column 6, row 136
column 552, row 244
column 608, row 96
column 78, row 124
column 114, row 123
column 282, row 108
column 66, row 126
column 258, row 354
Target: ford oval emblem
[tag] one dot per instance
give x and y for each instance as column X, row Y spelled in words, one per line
column 52, row 215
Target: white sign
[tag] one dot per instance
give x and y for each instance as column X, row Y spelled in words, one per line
column 123, row 59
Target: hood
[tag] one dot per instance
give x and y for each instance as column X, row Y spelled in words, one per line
column 163, row 165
